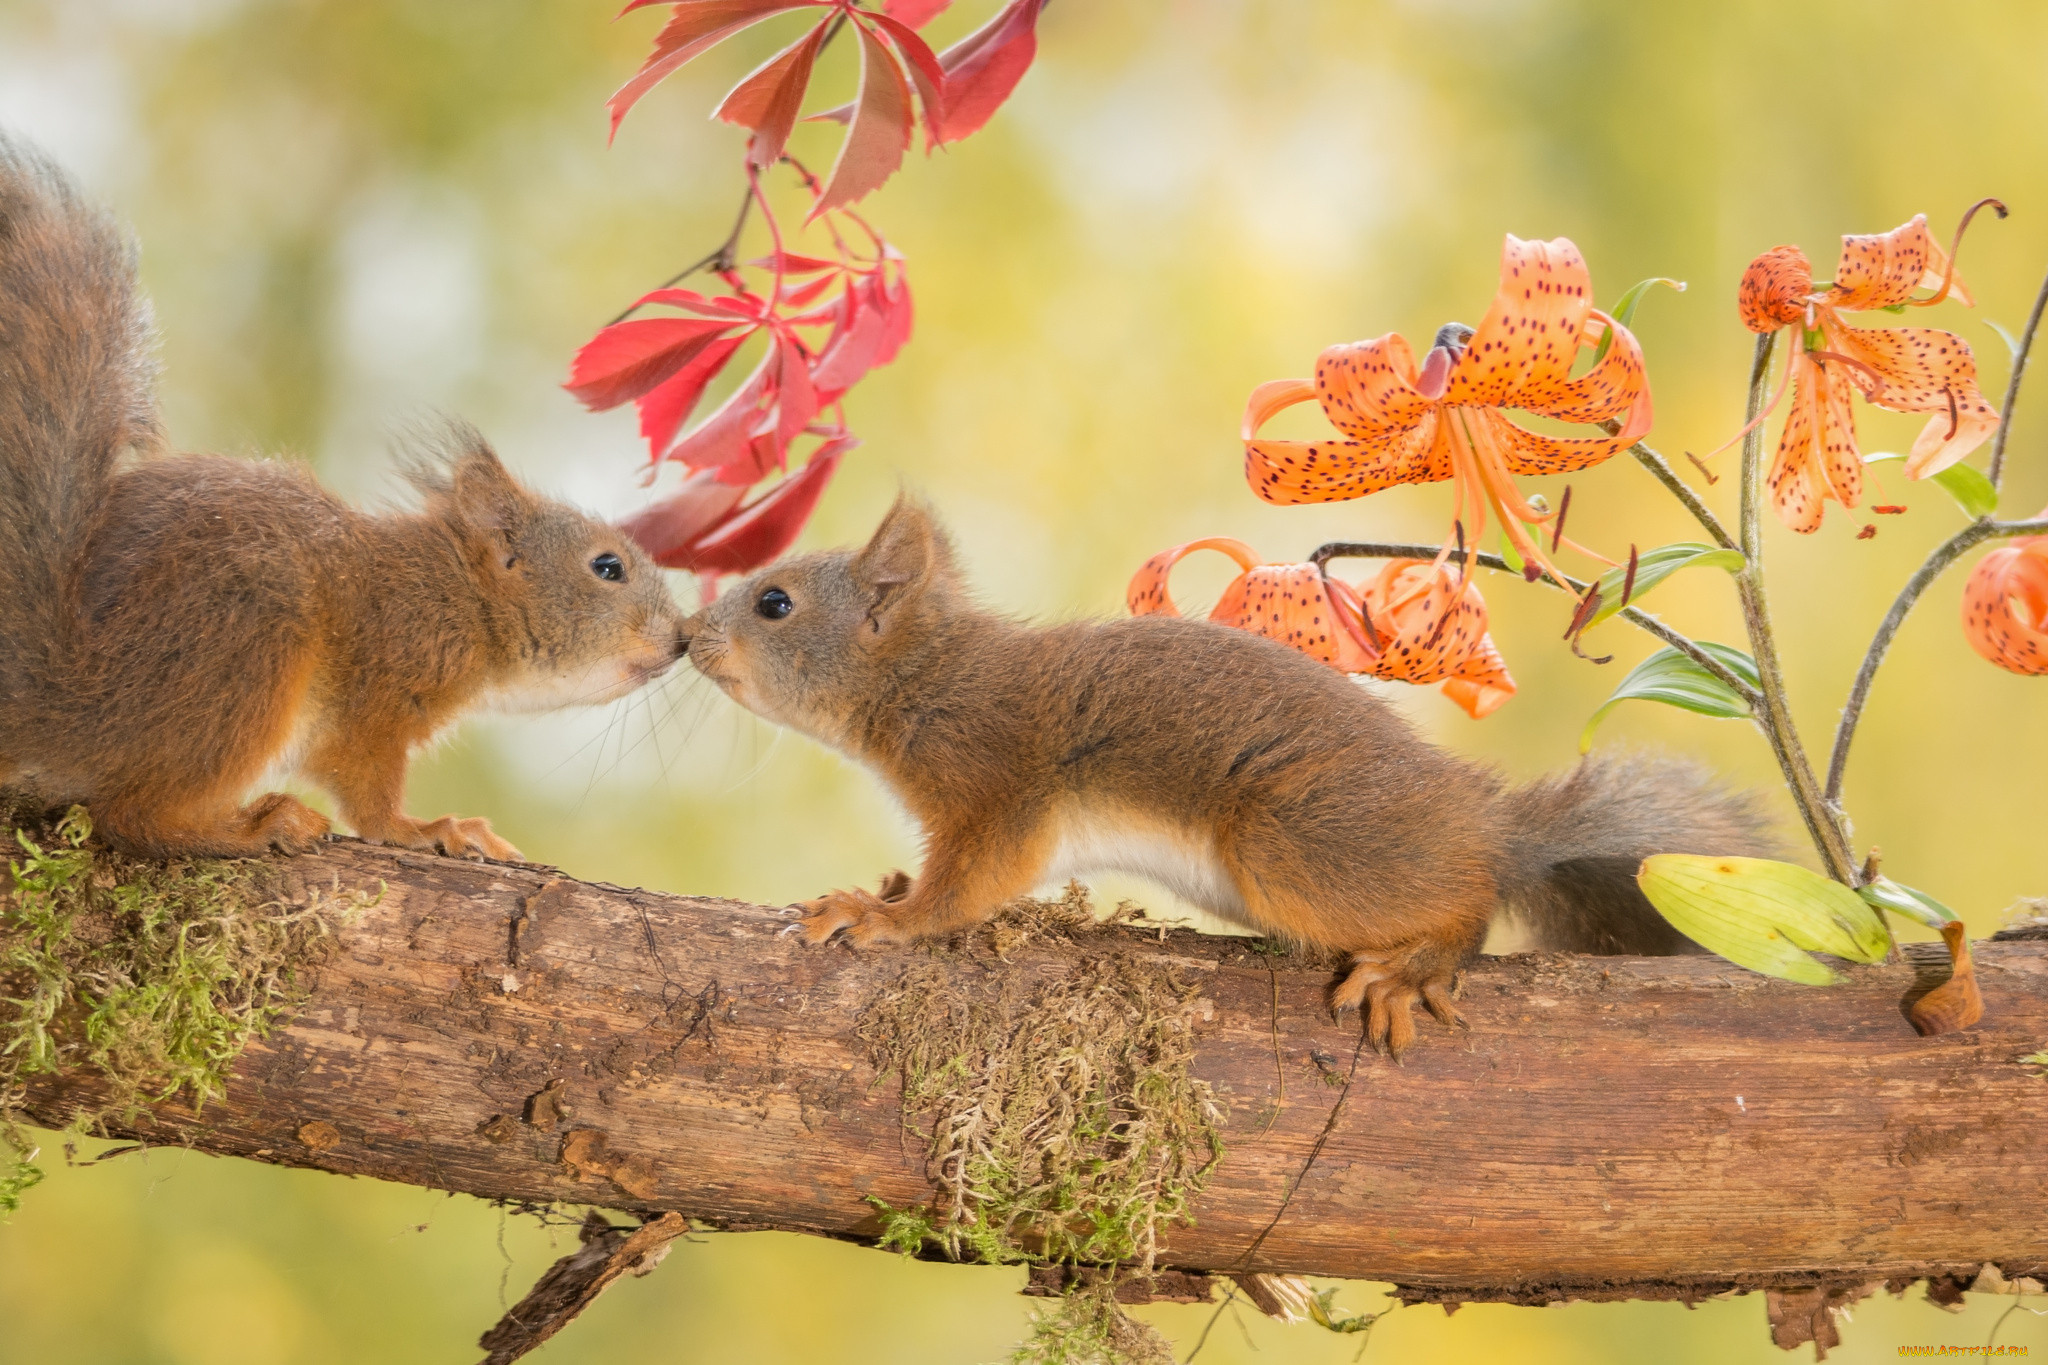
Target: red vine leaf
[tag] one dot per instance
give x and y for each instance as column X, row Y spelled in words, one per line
column 627, row 359
column 985, row 66
column 930, row 77
column 915, row 13
column 768, row 100
column 669, row 526
column 765, row 528
column 880, row 133
column 721, row 440
column 695, row 28
column 796, row 395
column 665, row 408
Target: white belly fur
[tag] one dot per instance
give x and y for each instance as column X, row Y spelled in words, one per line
column 1114, row 840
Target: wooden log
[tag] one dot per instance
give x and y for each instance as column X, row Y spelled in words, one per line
column 1608, row 1127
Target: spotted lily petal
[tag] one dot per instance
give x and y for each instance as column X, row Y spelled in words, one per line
column 1431, row 621
column 1289, row 473
column 1616, row 387
column 1922, row 369
column 1482, row 683
column 1147, row 594
column 1368, row 387
column 1284, row 602
column 1774, row 289
column 2005, row 606
column 1531, row 333
column 1881, row 270
column 1817, row 456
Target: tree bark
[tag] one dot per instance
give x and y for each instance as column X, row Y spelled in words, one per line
column 1609, row 1127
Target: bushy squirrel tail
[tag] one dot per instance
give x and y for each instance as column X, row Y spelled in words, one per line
column 1576, row 839
column 77, row 373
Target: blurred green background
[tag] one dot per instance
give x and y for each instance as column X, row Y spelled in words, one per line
column 354, row 211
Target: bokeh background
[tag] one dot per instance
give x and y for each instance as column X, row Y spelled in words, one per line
column 357, row 211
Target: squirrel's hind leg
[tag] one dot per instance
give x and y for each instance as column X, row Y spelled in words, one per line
column 156, row 830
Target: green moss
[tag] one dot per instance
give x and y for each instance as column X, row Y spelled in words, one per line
column 1062, row 1119
column 1088, row 1327
column 155, row 976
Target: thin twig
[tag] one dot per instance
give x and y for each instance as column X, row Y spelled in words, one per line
column 1774, row 718
column 720, row 260
column 1680, row 489
column 2012, row 387
column 1944, row 555
column 1635, row 616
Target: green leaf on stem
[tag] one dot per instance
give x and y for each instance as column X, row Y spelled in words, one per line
column 1509, row 553
column 1917, row 906
column 2012, row 343
column 1967, row 485
column 1763, row 914
column 1625, row 310
column 1676, row 680
column 1653, row 567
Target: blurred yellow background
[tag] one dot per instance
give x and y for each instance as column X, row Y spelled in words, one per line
column 354, row 211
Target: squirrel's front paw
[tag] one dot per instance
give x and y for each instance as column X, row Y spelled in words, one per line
column 453, row 835
column 861, row 916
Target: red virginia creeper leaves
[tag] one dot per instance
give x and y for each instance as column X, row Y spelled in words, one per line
column 985, row 66
column 768, row 100
column 925, row 72
column 668, row 526
column 665, row 408
column 880, row 132
column 627, row 359
column 915, row 13
column 755, row 534
column 695, row 28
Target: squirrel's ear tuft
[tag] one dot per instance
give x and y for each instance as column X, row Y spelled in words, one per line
column 908, row 550
column 483, row 493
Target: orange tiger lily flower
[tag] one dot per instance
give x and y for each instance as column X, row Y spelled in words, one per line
column 1427, row 621
column 2005, row 606
column 1443, row 420
column 1905, row 369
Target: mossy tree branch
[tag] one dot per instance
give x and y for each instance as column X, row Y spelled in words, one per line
column 1608, row 1127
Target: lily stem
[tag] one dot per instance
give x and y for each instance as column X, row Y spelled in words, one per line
column 1635, row 616
column 2012, row 387
column 1944, row 555
column 1774, row 718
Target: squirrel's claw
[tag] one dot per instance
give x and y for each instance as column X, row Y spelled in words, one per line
column 1386, row 996
column 860, row 917
column 454, row 835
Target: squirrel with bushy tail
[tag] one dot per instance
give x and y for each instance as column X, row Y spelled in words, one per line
column 1254, row 781
column 176, row 629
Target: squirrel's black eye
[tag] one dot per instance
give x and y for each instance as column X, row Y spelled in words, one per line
column 775, row 604
column 609, row 567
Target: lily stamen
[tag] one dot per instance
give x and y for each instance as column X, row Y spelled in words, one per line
column 1948, row 275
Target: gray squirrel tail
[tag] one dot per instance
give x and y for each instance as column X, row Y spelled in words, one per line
column 77, row 378
column 1576, row 839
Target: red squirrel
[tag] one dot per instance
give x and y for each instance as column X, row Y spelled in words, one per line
column 175, row 627
column 1252, row 780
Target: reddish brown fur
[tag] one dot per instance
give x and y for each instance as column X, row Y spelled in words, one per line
column 1299, row 803
column 172, row 630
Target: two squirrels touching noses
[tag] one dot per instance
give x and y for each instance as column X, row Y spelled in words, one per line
column 177, row 629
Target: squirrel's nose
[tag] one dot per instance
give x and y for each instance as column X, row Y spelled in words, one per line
column 685, row 631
